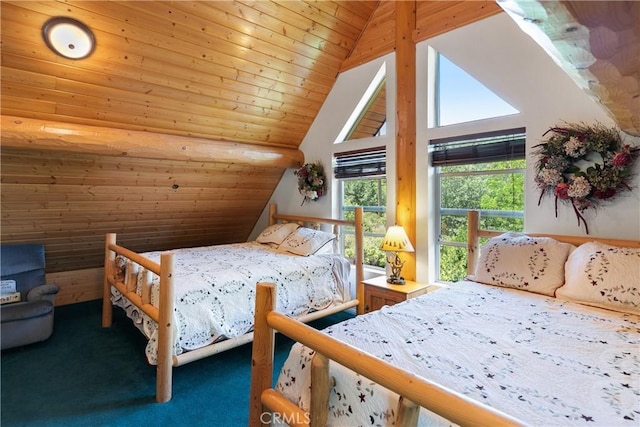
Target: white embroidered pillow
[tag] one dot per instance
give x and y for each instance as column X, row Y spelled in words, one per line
column 603, row 276
column 515, row 260
column 306, row 241
column 276, row 233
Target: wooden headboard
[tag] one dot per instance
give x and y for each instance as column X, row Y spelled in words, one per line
column 336, row 224
column 474, row 233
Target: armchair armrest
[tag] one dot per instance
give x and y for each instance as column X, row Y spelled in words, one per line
column 43, row 292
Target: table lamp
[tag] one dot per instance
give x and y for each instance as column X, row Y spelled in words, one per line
column 396, row 240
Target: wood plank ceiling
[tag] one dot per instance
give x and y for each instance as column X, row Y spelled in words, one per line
column 251, row 71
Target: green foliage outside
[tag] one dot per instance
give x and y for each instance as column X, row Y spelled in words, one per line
column 490, row 186
column 371, row 194
column 481, row 187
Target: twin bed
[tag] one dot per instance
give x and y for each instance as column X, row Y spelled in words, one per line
column 196, row 302
column 545, row 331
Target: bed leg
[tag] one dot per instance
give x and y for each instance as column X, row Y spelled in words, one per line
column 262, row 353
column 407, row 413
column 164, row 369
column 473, row 224
column 321, row 385
column 359, row 230
column 273, row 211
column 109, row 258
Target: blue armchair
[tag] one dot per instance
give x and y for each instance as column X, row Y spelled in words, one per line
column 31, row 319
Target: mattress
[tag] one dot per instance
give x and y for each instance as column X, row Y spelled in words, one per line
column 215, row 290
column 539, row 359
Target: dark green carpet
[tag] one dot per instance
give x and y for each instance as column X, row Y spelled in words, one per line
column 85, row 375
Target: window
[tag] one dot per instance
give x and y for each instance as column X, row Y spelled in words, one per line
column 363, row 183
column 461, row 98
column 483, row 172
column 369, row 117
column 372, row 121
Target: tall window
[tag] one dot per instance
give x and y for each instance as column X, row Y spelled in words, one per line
column 482, row 172
column 363, row 183
column 369, row 117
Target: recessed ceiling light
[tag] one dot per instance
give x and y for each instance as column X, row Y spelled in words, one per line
column 68, row 37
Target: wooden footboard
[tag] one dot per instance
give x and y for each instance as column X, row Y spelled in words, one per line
column 415, row 392
column 163, row 315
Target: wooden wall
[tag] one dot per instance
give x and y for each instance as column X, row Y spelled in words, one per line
column 69, row 201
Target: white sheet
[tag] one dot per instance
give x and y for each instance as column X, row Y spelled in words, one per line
column 215, row 290
column 541, row 360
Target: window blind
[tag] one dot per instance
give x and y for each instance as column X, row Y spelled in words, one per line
column 360, row 163
column 509, row 144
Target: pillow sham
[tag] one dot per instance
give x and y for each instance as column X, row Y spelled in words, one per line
column 603, row 276
column 306, row 241
column 515, row 260
column 276, row 233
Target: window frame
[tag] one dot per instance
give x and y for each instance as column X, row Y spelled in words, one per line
column 366, row 209
column 366, row 164
column 438, row 175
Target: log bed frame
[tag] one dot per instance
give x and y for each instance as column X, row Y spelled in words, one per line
column 163, row 314
column 414, row 391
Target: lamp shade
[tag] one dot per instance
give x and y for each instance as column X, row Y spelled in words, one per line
column 396, row 240
column 68, row 37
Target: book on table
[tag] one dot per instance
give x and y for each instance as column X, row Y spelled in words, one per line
column 6, row 298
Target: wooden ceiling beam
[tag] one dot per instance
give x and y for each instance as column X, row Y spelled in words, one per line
column 406, row 126
column 20, row 132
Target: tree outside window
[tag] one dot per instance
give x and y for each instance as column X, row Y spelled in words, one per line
column 371, row 194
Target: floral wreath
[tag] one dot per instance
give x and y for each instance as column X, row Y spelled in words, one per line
column 312, row 183
column 583, row 165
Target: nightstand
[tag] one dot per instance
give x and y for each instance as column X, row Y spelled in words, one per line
column 377, row 292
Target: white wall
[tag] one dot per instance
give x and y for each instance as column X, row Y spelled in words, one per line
column 318, row 143
column 507, row 61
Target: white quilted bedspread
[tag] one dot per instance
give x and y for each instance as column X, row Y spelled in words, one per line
column 215, row 290
column 541, row 360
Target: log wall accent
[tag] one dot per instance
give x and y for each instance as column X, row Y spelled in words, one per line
column 18, row 132
column 597, row 43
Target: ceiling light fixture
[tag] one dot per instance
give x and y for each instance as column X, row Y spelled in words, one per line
column 68, row 37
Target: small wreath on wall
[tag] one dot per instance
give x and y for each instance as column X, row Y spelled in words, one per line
column 583, row 166
column 312, row 182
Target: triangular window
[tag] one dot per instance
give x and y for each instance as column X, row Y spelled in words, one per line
column 461, row 98
column 369, row 118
